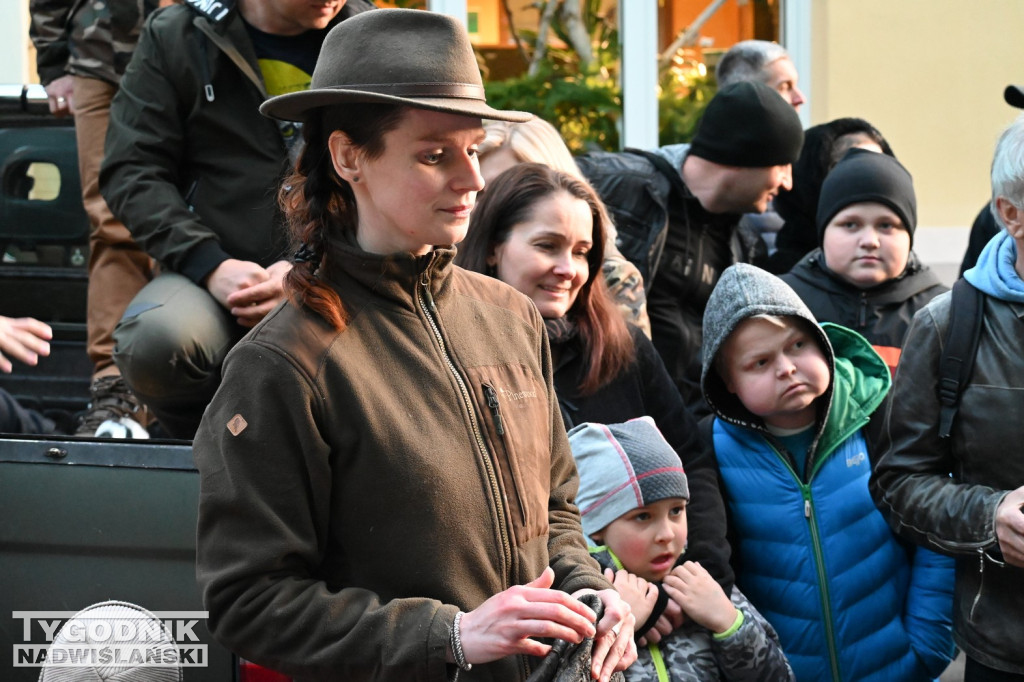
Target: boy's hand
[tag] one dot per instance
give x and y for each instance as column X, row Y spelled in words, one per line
column 700, row 596
column 670, row 619
column 635, row 591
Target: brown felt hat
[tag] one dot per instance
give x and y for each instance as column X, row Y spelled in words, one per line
column 413, row 57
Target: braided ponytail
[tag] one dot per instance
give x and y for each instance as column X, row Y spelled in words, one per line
column 320, row 205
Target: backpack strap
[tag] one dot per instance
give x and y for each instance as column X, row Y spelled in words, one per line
column 956, row 363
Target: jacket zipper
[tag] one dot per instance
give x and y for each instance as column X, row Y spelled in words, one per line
column 499, row 426
column 426, row 303
column 819, row 565
column 862, row 320
column 819, row 561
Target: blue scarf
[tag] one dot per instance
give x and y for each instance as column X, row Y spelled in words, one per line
column 995, row 272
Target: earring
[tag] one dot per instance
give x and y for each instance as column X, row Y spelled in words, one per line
column 355, row 178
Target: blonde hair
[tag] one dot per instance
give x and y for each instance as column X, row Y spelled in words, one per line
column 534, row 141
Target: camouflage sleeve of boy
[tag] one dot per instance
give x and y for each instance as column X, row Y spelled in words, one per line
column 753, row 653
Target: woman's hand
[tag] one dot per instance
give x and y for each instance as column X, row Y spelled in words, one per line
column 701, row 597
column 506, row 623
column 614, row 648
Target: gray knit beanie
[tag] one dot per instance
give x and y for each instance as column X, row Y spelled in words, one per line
column 119, row 641
column 747, row 124
column 622, row 467
column 742, row 292
column 863, row 175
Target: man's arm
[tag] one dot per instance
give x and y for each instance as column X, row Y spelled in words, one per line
column 143, row 176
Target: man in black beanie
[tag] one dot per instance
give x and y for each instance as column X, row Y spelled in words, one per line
column 677, row 210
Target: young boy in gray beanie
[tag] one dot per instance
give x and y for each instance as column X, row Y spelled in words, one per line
column 790, row 400
column 865, row 275
column 632, row 499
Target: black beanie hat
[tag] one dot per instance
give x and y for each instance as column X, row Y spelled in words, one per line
column 864, row 175
column 748, row 124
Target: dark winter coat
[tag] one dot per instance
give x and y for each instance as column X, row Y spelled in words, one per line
column 680, row 260
column 881, row 314
column 943, row 492
column 191, row 167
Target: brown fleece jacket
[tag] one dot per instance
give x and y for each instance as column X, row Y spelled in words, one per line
column 357, row 489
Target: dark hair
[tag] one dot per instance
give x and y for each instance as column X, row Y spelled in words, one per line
column 509, row 201
column 319, row 205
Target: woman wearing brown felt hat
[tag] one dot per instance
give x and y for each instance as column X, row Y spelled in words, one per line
column 387, row 488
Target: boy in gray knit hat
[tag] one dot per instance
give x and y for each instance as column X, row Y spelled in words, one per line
column 790, row 401
column 632, row 499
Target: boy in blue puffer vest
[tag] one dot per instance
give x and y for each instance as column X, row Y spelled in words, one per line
column 790, row 400
column 632, row 499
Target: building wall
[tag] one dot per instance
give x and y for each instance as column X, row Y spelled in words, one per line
column 929, row 74
column 17, row 60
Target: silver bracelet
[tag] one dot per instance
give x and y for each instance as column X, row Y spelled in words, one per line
column 457, row 653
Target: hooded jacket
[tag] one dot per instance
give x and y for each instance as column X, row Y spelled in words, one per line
column 848, row 599
column 955, row 514
column 191, row 167
column 751, row 653
column 360, row 487
column 881, row 314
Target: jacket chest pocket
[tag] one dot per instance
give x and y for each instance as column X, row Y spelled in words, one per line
column 515, row 416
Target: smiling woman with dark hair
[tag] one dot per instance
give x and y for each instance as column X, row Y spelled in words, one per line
column 386, row 489
column 542, row 231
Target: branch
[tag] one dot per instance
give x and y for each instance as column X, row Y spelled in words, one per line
column 515, row 34
column 689, row 36
column 541, row 47
column 576, row 31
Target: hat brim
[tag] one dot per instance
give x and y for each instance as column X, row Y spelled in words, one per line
column 297, row 106
column 1014, row 96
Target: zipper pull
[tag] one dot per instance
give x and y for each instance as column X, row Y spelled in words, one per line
column 425, row 282
column 807, row 509
column 492, row 402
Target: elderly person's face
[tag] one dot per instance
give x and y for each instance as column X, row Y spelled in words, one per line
column 1012, row 217
column 782, row 77
column 420, row 191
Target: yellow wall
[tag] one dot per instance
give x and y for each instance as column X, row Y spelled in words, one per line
column 929, row 74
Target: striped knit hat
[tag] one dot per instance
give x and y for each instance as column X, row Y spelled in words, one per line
column 622, row 467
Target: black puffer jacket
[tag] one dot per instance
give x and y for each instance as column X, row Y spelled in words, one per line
column 646, row 389
column 881, row 314
column 943, row 492
column 191, row 167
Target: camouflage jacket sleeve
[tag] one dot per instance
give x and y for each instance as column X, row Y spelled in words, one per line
column 752, row 653
column 50, row 31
